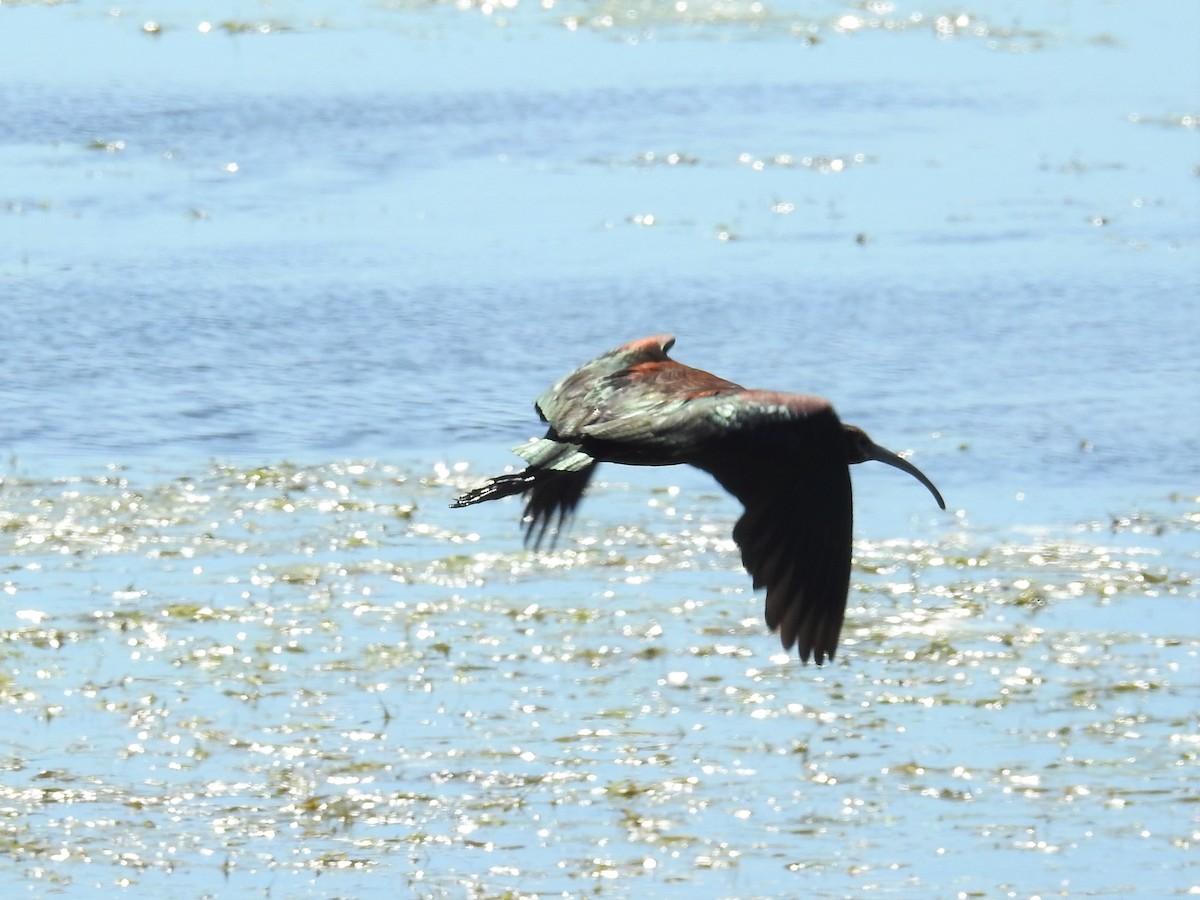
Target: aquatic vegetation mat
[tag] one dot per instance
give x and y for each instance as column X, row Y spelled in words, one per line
column 318, row 680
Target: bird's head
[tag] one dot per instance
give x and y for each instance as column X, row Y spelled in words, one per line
column 860, row 448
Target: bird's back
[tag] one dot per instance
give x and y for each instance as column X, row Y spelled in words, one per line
column 571, row 400
column 621, row 394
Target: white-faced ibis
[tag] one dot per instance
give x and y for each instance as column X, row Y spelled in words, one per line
column 785, row 456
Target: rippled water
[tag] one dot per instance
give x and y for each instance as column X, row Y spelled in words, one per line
column 278, row 282
column 314, row 681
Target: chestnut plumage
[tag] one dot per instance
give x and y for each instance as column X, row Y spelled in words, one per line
column 786, row 457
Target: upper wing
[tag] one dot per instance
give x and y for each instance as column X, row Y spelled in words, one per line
column 573, row 399
column 559, row 469
column 784, row 457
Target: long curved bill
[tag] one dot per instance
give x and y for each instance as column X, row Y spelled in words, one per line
column 887, row 456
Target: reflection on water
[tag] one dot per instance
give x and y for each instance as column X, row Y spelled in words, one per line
column 377, row 232
column 250, row 677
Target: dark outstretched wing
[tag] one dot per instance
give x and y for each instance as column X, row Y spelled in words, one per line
column 553, row 484
column 551, row 500
column 551, row 497
column 784, row 457
column 557, row 476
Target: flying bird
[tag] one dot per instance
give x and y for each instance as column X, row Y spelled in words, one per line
column 786, row 457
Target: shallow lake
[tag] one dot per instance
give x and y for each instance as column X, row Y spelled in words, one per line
column 278, row 281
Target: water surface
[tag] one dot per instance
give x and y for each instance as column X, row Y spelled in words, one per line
column 278, row 282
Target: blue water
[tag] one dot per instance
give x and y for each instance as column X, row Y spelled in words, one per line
column 386, row 232
column 318, row 232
